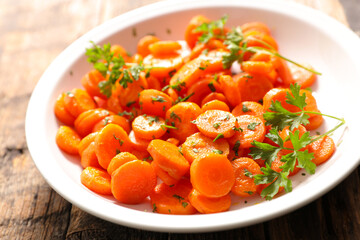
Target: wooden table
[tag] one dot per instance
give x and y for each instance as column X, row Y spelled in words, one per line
column 32, row 34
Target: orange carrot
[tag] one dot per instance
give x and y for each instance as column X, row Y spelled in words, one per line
column 86, row 121
column 201, row 89
column 85, row 142
column 277, row 163
column 323, row 149
column 133, row 181
column 249, row 108
column 97, row 180
column 90, row 82
column 68, row 140
column 163, row 175
column 257, row 67
column 137, row 143
column 161, row 48
column 216, row 123
column 215, row 105
column 77, row 101
column 198, row 145
column 191, row 36
column 205, row 204
column 231, row 89
column 167, row 199
column 149, row 127
column 257, row 26
column 302, row 76
column 250, row 128
column 61, row 113
column 115, row 119
column 88, row 157
column 119, row 160
column 212, row 175
column 244, row 169
column 143, row 44
column 214, row 96
column 162, row 67
column 168, row 158
column 154, row 102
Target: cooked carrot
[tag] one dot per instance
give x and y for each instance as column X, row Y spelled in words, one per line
column 214, row 123
column 68, row 140
column 212, row 175
column 154, row 102
column 249, row 108
column 252, row 87
column 244, row 169
column 77, row 101
column 202, row 88
column 302, row 76
column 205, row 204
column 120, row 159
column 191, row 36
column 258, row 26
column 283, row 71
column 88, row 157
column 162, row 67
column 231, row 89
column 284, row 134
column 250, row 128
column 111, row 140
column 277, row 164
column 86, row 121
column 181, row 116
column 172, row 199
column 323, row 149
column 149, row 127
column 136, row 58
column 143, row 44
column 85, row 141
column 161, row 48
column 153, row 82
column 173, row 141
column 256, row 38
column 119, row 50
column 138, row 143
column 115, row 119
column 97, row 180
column 237, row 152
column 315, row 121
column 61, row 113
column 90, row 82
column 163, row 175
column 215, row 105
column 214, row 96
column 168, row 158
column 257, row 67
column 198, row 145
column 133, row 181
column 213, row 61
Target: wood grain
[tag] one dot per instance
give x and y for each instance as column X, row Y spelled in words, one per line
column 32, row 34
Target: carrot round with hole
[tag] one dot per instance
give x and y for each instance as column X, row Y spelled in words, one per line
column 67, row 139
column 120, row 159
column 216, row 124
column 323, row 149
column 61, row 113
column 154, row 102
column 250, row 128
column 212, row 175
column 149, row 127
column 133, row 182
column 198, row 145
column 88, row 157
column 206, row 205
column 173, row 199
column 111, row 140
column 78, row 101
column 181, row 117
column 249, row 108
column 97, row 180
column 168, row 158
column 244, row 169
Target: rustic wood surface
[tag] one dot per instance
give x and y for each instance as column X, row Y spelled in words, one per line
column 32, row 34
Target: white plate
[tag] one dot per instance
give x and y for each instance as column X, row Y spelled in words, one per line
column 303, row 34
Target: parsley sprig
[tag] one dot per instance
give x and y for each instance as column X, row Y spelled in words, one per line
column 112, row 68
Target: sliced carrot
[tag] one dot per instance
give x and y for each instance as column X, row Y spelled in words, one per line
column 198, row 145
column 137, row 143
column 90, row 82
column 149, row 127
column 77, row 101
column 284, row 134
column 214, row 96
column 202, row 88
column 315, row 121
column 172, row 199
column 257, row 67
column 244, row 169
column 119, row 50
column 68, row 140
column 161, row 48
column 85, row 141
column 215, row 105
column 213, row 123
column 86, row 121
column 205, row 204
column 302, row 76
column 323, row 149
column 249, row 108
column 143, row 44
column 277, row 164
column 115, row 119
column 256, row 38
column 212, row 175
column 111, row 140
column 163, row 175
column 119, row 160
column 251, row 129
column 61, row 113
column 162, row 67
column 258, row 26
column 97, row 180
column 88, row 157
column 213, row 61
column 133, row 181
column 168, row 158
column 283, row 71
column 231, row 89
column 191, row 35
column 181, row 116
column 173, row 141
column 154, row 102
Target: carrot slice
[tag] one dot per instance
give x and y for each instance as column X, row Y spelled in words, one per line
column 85, row 142
column 111, row 140
column 137, row 143
column 249, row 108
column 88, row 157
column 302, row 76
column 163, row 175
column 257, row 67
column 161, row 48
column 215, row 105
column 323, row 149
column 133, row 181
column 205, row 204
column 214, row 122
column 214, row 96
column 97, row 180
column 162, row 67
column 202, row 88
column 181, row 116
column 277, row 163
column 77, row 101
column 143, row 44
column 61, row 113
column 148, row 127
column 258, row 26
column 284, row 134
column 86, row 121
column 244, row 168
column 154, row 102
column 172, row 199
column 119, row 160
column 68, row 140
column 212, row 175
column 168, row 158
column 191, row 36
column 90, row 82
column 198, row 145
column 251, row 129
column 231, row 89
column 115, row 119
